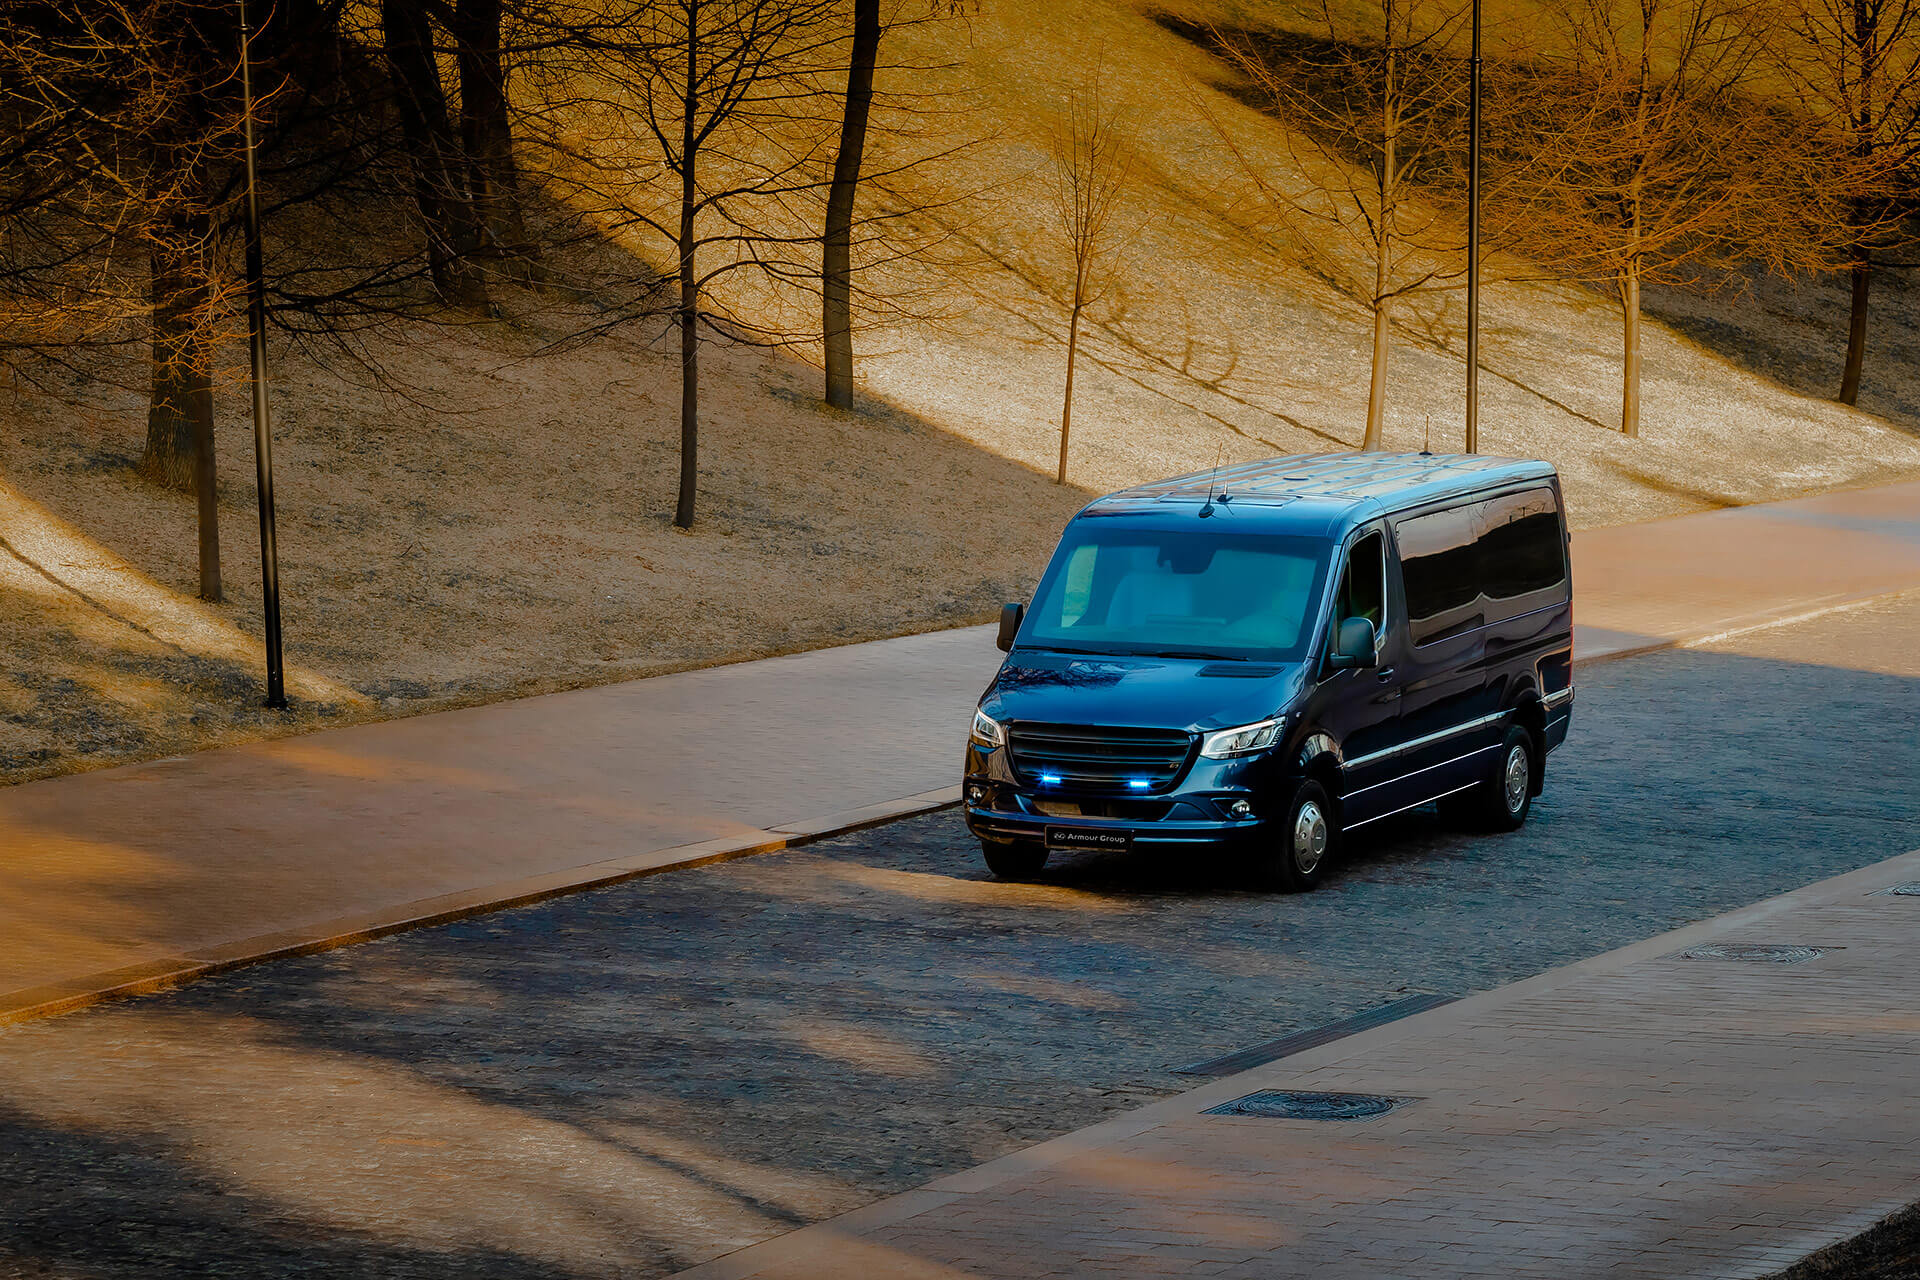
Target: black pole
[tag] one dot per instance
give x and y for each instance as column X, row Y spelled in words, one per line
column 262, row 438
column 1473, row 239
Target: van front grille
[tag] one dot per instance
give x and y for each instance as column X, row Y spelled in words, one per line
column 1104, row 807
column 1097, row 756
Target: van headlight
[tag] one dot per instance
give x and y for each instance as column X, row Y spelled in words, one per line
column 1244, row 741
column 987, row 731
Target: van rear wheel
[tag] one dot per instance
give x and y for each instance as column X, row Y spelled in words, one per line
column 1504, row 798
column 1014, row 861
column 1297, row 859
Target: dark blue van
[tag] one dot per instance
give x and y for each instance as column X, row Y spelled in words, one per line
column 1267, row 656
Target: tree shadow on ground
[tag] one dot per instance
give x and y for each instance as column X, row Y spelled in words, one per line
column 1794, row 333
column 75, row 1202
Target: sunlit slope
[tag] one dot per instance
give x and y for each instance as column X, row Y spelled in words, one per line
column 1215, row 342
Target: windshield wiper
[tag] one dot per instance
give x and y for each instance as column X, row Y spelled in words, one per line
column 1195, row 653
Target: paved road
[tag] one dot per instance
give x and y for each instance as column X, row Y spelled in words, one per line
column 627, row 1081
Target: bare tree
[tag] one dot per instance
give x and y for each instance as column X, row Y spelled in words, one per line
column 837, row 268
column 126, row 113
column 726, row 107
column 447, row 207
column 486, row 128
column 836, row 271
column 1372, row 104
column 1093, row 164
column 1855, row 64
column 1637, row 155
column 118, row 195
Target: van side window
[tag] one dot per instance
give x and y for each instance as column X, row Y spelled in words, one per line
column 1363, row 586
column 1439, row 570
column 1521, row 550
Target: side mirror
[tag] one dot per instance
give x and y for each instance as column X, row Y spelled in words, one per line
column 1354, row 645
column 1010, row 617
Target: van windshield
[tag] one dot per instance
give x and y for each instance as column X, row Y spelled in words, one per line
column 1161, row 593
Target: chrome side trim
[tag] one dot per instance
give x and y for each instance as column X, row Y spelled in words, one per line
column 1402, row 777
column 1426, row 740
column 1557, row 697
column 1415, row 805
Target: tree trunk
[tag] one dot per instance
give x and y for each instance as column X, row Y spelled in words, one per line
column 1862, row 274
column 836, row 273
column 486, row 134
column 174, row 398
column 689, row 286
column 1630, row 275
column 1383, row 253
column 179, row 451
column 1382, row 336
column 1630, row 365
column 1066, row 407
column 453, row 233
column 1377, row 386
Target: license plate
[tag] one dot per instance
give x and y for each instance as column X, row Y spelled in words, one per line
column 1088, row 838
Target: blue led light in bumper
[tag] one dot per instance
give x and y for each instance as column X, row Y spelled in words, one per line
column 1139, row 784
column 1051, row 779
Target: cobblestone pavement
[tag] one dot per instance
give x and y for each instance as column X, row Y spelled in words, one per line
column 628, row 1081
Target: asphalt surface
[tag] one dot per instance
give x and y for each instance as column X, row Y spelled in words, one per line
column 628, row 1081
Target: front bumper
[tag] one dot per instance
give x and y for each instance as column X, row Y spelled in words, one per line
column 1190, row 811
column 1003, row 827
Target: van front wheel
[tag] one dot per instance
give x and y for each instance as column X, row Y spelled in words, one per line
column 1296, row 860
column 1014, row 861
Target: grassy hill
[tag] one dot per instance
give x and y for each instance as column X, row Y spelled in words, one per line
column 503, row 527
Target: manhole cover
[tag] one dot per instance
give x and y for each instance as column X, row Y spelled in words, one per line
column 1908, row 890
column 1765, row 952
column 1278, row 1104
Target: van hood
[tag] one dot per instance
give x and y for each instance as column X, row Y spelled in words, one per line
column 1156, row 693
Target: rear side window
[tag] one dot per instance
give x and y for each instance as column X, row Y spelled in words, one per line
column 1438, row 569
column 1521, row 550
column 1481, row 562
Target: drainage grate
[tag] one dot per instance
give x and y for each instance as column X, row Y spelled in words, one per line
column 1764, row 952
column 1909, row 890
column 1299, row 1042
column 1281, row 1104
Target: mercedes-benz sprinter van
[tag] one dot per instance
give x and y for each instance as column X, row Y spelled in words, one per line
column 1268, row 656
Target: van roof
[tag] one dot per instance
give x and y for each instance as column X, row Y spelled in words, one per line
column 1313, row 492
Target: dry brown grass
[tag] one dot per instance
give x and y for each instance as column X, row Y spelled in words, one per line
column 516, row 538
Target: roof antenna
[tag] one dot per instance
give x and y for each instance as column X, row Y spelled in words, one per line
column 1426, row 445
column 1207, row 510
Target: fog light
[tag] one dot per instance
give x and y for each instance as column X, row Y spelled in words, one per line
column 976, row 794
column 1241, row 808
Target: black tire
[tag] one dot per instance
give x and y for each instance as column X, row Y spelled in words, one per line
column 1502, row 800
column 1297, row 858
column 1014, row 862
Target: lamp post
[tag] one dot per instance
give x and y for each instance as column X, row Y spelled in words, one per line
column 1473, row 239
column 257, row 341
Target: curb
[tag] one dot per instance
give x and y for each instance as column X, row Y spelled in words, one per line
column 33, row 1003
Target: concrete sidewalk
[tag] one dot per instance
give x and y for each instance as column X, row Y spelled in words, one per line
column 1660, row 1111
column 133, row 878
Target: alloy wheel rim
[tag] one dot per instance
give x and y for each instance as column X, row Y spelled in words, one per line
column 1516, row 777
column 1309, row 837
